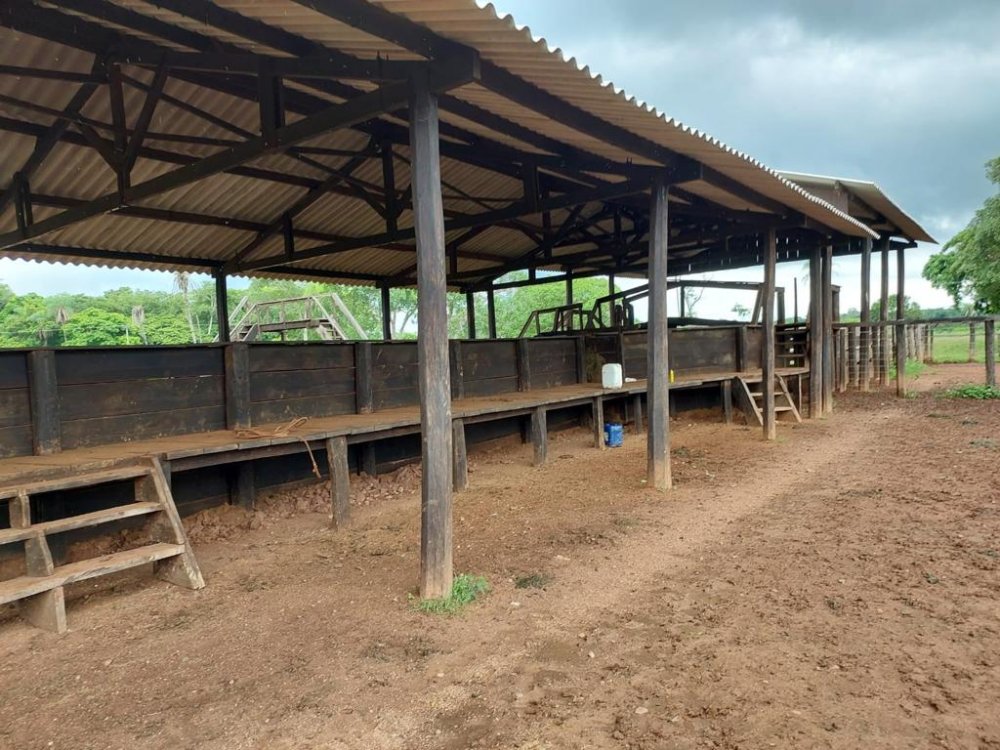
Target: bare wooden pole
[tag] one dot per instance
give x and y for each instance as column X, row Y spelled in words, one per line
column 767, row 359
column 883, row 317
column 828, row 330
column 658, row 367
column 470, row 313
column 795, row 299
column 815, row 334
column 989, row 340
column 491, row 313
column 866, row 314
column 900, row 327
column 972, row 341
column 432, row 346
column 222, row 306
column 386, row 314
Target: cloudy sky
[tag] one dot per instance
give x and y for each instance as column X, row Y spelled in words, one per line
column 904, row 93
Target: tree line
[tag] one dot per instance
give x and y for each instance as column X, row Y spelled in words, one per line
column 187, row 314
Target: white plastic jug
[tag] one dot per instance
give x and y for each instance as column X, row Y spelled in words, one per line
column 611, row 375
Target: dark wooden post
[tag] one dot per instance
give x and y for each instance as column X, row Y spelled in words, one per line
column 816, row 333
column 386, row 313
column 364, row 391
column 460, row 459
column 243, row 491
column 457, row 368
column 491, row 313
column 842, row 344
column 470, row 313
column 237, row 362
column 611, row 284
column 46, row 436
column 523, row 356
column 866, row 314
column 883, row 317
column 597, row 413
column 795, row 299
column 767, row 368
column 779, row 297
column 340, row 481
column 989, row 340
column 539, row 435
column 681, row 301
column 432, row 346
column 900, row 326
column 828, row 330
column 222, row 306
column 581, row 359
column 569, row 287
column 658, row 365
column 727, row 401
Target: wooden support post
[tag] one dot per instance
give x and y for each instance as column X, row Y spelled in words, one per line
column 48, row 609
column 364, row 393
column 637, row 414
column 611, row 284
column 816, row 333
column 222, row 306
column 852, row 356
column 989, row 340
column 900, row 360
column 340, row 481
column 767, row 360
column 779, row 298
column 864, row 375
column 844, row 377
column 491, row 313
column 460, row 458
column 456, row 368
column 385, row 294
column 727, row 401
column 682, row 301
column 581, row 359
column 883, row 317
column 521, row 351
column 432, row 345
column 368, row 464
column 237, row 363
column 43, row 397
column 828, row 330
column 470, row 313
column 795, row 299
column 243, row 491
column 598, row 416
column 569, row 287
column 658, row 472
column 972, row 341
column 539, row 435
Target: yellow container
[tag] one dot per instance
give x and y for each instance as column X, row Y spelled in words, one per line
column 671, row 376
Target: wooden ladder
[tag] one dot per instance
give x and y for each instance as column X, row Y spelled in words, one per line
column 753, row 399
column 40, row 592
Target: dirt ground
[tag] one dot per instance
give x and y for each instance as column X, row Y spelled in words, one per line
column 836, row 589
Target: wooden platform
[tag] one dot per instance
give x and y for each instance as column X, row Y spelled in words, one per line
column 224, row 446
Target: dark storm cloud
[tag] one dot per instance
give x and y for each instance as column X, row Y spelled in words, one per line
column 905, row 93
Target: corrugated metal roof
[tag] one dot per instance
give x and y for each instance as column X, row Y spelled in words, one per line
column 76, row 171
column 877, row 205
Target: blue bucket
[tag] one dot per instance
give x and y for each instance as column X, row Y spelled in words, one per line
column 614, row 434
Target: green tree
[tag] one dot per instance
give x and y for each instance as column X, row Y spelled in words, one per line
column 165, row 329
column 514, row 306
column 910, row 308
column 96, row 327
column 968, row 267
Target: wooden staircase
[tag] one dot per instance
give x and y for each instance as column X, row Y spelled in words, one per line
column 40, row 592
column 752, row 399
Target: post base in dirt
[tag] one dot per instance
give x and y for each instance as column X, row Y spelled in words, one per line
column 901, row 361
column 991, row 353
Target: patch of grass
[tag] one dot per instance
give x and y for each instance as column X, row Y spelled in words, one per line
column 625, row 522
column 465, row 589
column 984, row 443
column 973, row 391
column 532, row 581
column 912, row 370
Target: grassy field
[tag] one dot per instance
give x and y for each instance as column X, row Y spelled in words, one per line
column 951, row 343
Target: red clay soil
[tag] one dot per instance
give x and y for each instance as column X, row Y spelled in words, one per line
column 837, row 588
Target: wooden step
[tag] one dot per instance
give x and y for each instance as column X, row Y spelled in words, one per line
column 81, row 521
column 86, row 479
column 24, row 586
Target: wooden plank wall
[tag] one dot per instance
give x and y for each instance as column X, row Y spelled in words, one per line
column 301, row 380
column 120, row 394
column 692, row 350
column 15, row 409
column 552, row 361
column 489, row 367
column 394, row 374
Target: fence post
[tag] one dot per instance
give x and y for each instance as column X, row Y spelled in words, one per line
column 237, row 362
column 900, row 360
column 991, row 355
column 972, row 341
column 44, row 401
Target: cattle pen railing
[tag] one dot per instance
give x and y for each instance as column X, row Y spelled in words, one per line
column 867, row 353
